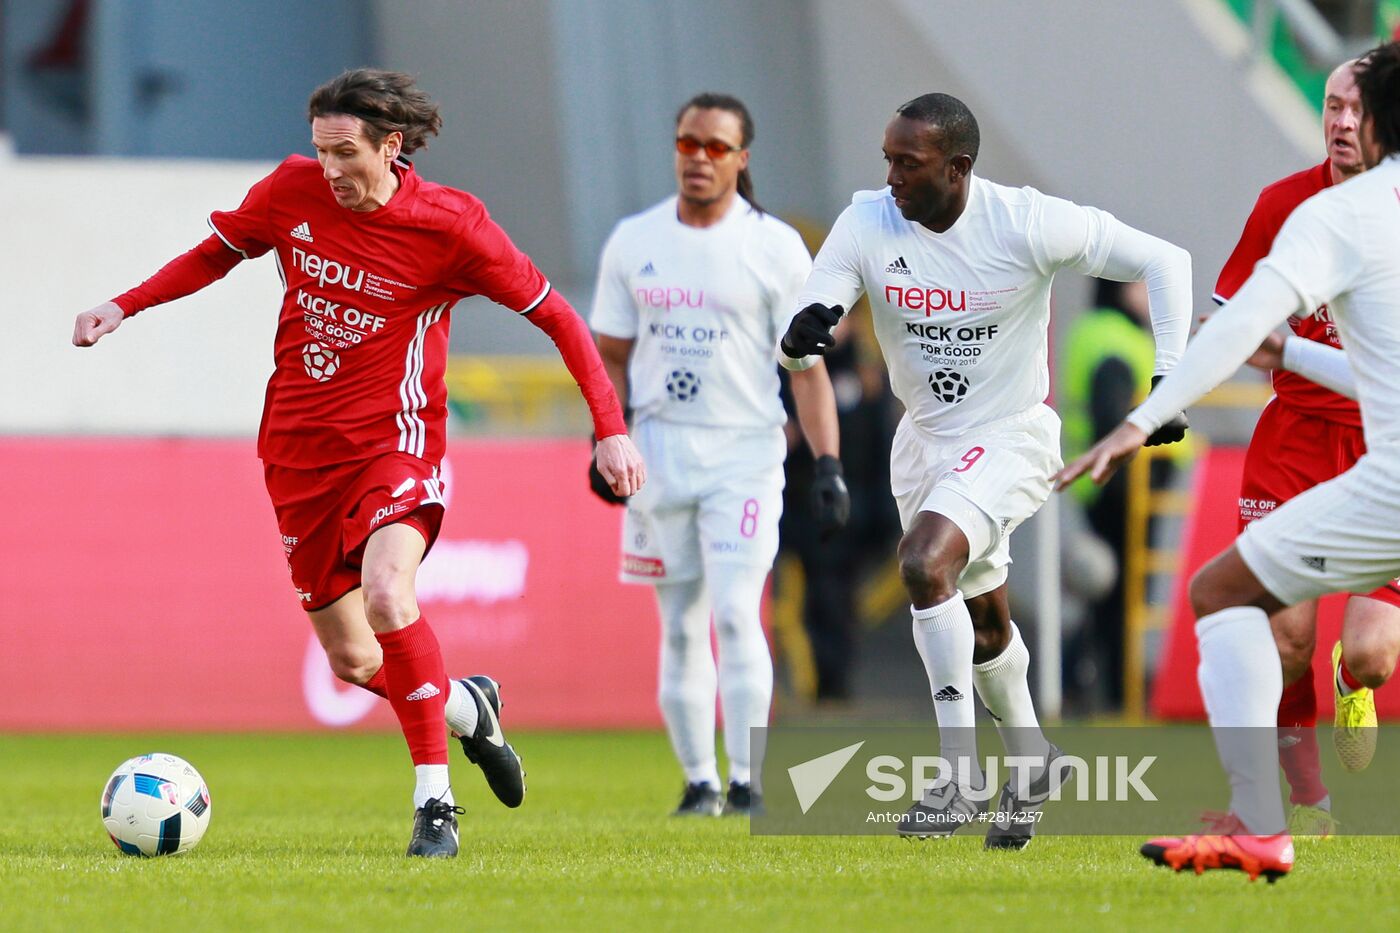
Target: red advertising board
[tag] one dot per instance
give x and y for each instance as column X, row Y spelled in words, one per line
column 1210, row 529
column 143, row 586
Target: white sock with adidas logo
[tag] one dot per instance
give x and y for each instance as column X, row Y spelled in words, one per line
column 432, row 783
column 1005, row 691
column 943, row 635
column 460, row 709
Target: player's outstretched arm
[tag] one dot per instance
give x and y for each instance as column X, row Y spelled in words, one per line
column 616, row 353
column 184, row 275
column 815, row 401
column 621, row 464
column 1104, row 458
column 91, row 326
column 1317, row 362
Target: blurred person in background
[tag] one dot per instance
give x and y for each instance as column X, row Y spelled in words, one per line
column 1308, row 434
column 958, row 272
column 372, row 259
column 1106, row 368
column 692, row 296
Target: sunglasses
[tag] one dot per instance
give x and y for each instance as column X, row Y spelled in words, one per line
column 715, row 148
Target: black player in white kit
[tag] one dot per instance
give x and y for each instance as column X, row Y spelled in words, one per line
column 692, row 296
column 958, row 272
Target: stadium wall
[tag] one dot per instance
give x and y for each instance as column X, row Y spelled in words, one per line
column 78, row 232
column 152, row 585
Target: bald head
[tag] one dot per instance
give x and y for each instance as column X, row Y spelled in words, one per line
column 1341, row 121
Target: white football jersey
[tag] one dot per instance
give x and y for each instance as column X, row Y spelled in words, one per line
column 1341, row 248
column 962, row 316
column 706, row 306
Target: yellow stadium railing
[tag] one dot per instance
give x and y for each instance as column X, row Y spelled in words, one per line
column 515, row 395
column 1142, row 561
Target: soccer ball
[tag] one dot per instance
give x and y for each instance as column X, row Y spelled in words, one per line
column 682, row 385
column 155, row 805
column 320, row 363
column 948, row 385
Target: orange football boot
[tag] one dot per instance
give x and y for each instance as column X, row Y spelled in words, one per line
column 1229, row 846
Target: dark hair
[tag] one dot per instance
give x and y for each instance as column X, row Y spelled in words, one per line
column 386, row 101
column 1378, row 79
column 951, row 116
column 712, row 101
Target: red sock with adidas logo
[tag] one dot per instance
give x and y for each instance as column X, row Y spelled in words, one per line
column 417, row 686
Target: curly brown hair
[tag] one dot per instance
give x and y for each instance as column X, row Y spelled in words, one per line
column 385, row 101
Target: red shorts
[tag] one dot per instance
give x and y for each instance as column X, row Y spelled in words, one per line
column 326, row 515
column 1292, row 452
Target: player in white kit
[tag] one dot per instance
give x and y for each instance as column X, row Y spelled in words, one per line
column 958, row 272
column 692, row 296
column 1340, row 248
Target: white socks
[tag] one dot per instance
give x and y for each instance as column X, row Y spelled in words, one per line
column 745, row 664
column 460, row 709
column 1002, row 685
column 943, row 635
column 686, row 691
column 1241, row 682
column 689, row 678
column 1342, row 688
column 431, row 782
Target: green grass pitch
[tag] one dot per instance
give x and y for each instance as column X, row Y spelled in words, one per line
column 308, row 833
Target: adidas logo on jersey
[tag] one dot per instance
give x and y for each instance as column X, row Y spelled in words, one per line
column 1316, row 563
column 899, row 267
column 948, row 694
column 302, row 231
column 425, row 692
column 648, row 269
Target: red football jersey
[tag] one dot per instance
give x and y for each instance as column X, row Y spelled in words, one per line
column 361, row 342
column 1275, row 203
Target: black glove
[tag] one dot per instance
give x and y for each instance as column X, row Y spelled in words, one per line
column 831, row 502
column 1171, row 432
column 810, row 331
column 598, row 484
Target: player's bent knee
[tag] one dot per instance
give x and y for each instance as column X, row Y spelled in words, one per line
column 1208, row 592
column 353, row 665
column 389, row 604
column 1295, row 653
column 929, row 577
column 1372, row 668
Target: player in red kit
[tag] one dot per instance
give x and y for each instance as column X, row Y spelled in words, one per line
column 372, row 259
column 1306, row 435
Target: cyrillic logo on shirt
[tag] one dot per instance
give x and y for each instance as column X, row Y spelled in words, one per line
column 927, row 300
column 328, row 271
column 668, row 298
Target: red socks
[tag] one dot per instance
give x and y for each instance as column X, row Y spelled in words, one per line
column 377, row 684
column 416, row 684
column 1297, row 741
column 1351, row 682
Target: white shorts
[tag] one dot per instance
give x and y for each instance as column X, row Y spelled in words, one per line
column 1340, row 536
column 712, row 495
column 987, row 482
